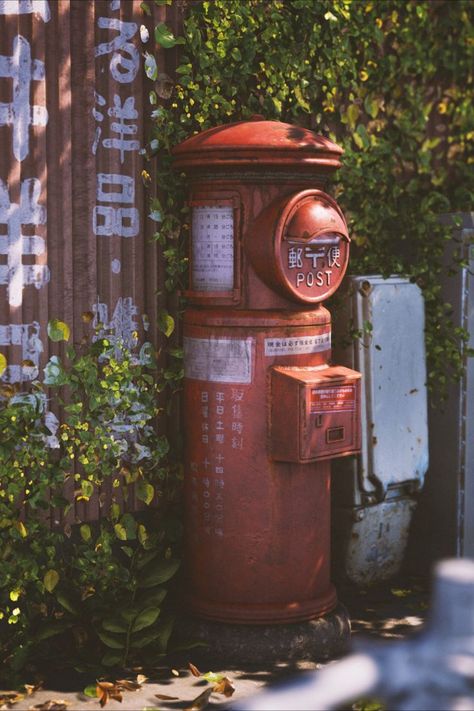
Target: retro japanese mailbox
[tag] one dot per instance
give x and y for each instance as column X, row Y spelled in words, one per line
column 264, row 410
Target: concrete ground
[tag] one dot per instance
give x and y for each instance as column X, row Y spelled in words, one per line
column 388, row 612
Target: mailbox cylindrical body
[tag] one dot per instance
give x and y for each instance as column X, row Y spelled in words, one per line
column 264, row 411
column 258, row 529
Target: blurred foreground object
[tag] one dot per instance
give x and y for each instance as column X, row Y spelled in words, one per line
column 433, row 670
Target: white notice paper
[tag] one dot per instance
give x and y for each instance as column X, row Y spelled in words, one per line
column 213, row 248
column 218, row 360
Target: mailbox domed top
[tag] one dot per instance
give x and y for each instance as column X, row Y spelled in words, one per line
column 258, row 143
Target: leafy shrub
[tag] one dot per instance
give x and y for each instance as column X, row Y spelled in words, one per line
column 89, row 535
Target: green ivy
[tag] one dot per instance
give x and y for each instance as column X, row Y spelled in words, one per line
column 89, row 534
column 389, row 80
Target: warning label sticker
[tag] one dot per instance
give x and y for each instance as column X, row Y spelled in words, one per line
column 297, row 345
column 218, row 360
column 336, row 399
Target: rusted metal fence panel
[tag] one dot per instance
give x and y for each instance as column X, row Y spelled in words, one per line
column 75, row 236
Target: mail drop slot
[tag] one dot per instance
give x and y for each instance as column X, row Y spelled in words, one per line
column 314, row 413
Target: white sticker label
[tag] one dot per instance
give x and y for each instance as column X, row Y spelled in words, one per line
column 218, row 360
column 213, row 248
column 297, row 345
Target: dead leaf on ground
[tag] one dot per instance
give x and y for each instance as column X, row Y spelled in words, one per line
column 56, row 705
column 175, row 672
column 194, row 670
column 31, row 688
column 8, row 698
column 164, row 697
column 105, row 690
column 200, row 702
column 141, row 678
column 224, row 686
column 127, row 685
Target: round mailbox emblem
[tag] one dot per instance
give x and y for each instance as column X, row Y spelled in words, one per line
column 311, row 245
column 299, row 246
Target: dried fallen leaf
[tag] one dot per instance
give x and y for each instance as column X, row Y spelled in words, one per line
column 175, row 672
column 224, row 686
column 141, row 678
column 164, row 697
column 200, row 702
column 127, row 685
column 194, row 670
column 105, row 690
column 31, row 688
column 50, row 705
column 8, row 698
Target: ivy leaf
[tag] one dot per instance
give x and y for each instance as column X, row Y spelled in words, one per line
column 146, row 618
column 353, row 113
column 151, row 69
column 145, row 492
column 165, row 323
column 165, row 37
column 58, row 330
column 21, row 528
column 301, row 100
column 87, row 489
column 86, row 533
column 3, row 364
column 120, row 532
column 50, row 580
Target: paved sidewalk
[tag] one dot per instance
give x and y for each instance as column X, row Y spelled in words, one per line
column 388, row 612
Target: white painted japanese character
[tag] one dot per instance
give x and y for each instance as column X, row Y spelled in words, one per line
column 123, row 113
column 26, row 7
column 19, row 114
column 125, row 60
column 108, row 221
column 14, row 245
column 123, row 322
column 27, row 336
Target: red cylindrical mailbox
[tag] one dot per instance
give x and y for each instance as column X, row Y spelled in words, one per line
column 265, row 412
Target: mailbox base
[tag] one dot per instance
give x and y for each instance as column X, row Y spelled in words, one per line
column 264, row 614
column 316, row 640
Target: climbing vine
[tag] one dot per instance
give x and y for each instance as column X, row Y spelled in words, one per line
column 391, row 81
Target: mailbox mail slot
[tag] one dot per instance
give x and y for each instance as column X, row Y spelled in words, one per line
column 314, row 413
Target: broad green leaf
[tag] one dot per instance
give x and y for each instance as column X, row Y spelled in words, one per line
column 58, row 330
column 86, row 533
column 115, row 626
column 66, row 603
column 111, row 659
column 146, row 618
column 50, row 580
column 120, row 532
column 3, row 363
column 165, row 37
column 21, row 529
column 154, row 598
column 143, row 640
column 162, row 572
column 110, row 641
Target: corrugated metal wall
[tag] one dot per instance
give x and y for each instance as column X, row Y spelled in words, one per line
column 74, row 227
